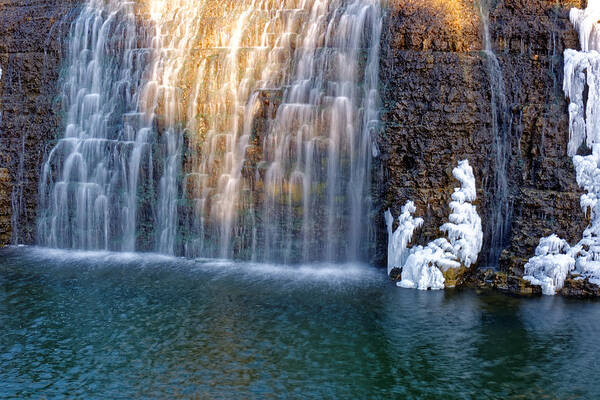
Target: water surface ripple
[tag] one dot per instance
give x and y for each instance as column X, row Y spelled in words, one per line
column 121, row 326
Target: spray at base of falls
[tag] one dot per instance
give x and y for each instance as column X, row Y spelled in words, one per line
column 243, row 129
column 554, row 258
column 501, row 210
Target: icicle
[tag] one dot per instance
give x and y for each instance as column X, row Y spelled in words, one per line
column 423, row 267
column 555, row 260
column 399, row 240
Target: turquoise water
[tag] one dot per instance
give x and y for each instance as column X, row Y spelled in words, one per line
column 122, row 326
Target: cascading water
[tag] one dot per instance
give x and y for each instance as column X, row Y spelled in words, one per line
column 499, row 225
column 231, row 129
column 91, row 179
column 283, row 169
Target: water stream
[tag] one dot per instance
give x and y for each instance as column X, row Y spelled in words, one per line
column 240, row 129
column 92, row 176
column 500, row 221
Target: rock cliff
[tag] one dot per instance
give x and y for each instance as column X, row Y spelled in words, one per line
column 437, row 110
column 32, row 34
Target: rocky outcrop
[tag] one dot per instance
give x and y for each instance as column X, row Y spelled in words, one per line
column 503, row 282
column 531, row 37
column 437, row 110
column 32, row 36
column 580, row 288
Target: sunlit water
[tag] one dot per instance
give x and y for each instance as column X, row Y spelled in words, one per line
column 106, row 325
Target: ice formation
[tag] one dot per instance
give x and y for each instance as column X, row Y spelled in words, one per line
column 464, row 229
column 399, row 240
column 585, row 22
column 587, row 251
column 555, row 259
column 582, row 68
column 551, row 264
column 423, row 267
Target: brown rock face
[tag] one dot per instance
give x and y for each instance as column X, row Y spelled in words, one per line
column 580, row 288
column 503, row 282
column 437, row 110
column 32, row 36
column 5, row 207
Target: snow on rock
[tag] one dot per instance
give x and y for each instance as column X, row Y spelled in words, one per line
column 423, row 267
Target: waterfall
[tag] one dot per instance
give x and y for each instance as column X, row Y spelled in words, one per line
column 500, row 221
column 289, row 119
column 93, row 175
column 16, row 196
column 212, row 128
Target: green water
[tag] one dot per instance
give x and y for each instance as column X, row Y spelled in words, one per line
column 123, row 326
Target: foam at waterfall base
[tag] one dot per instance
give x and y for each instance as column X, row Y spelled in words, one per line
column 99, row 258
column 323, row 273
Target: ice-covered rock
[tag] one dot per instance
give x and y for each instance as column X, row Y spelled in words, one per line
column 551, row 265
column 424, row 267
column 398, row 240
column 464, row 229
column 587, row 251
column 585, row 22
column 555, row 260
